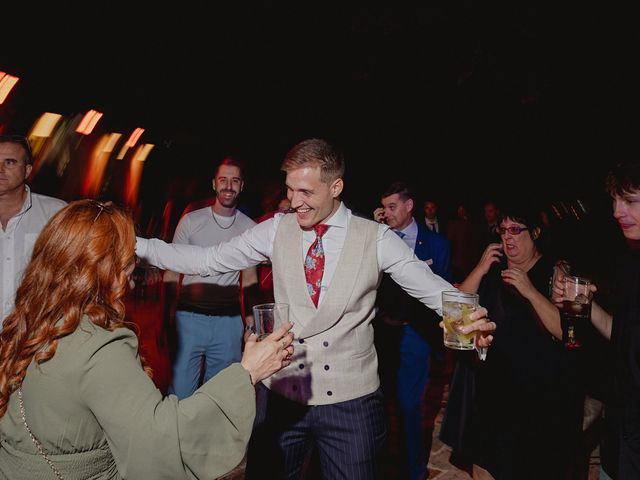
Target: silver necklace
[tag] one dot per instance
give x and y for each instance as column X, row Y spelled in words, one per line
column 213, row 214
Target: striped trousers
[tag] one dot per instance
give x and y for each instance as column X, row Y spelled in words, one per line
column 349, row 437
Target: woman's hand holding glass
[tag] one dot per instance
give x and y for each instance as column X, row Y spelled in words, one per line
column 264, row 358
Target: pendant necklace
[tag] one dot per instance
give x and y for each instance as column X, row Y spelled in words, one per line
column 218, row 223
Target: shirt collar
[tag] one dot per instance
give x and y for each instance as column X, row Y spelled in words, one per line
column 411, row 230
column 340, row 217
column 27, row 201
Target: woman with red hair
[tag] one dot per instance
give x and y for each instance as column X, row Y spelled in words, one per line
column 76, row 400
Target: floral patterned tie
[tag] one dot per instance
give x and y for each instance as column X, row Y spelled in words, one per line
column 314, row 264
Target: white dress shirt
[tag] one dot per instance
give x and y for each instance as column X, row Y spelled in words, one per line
column 432, row 225
column 256, row 245
column 16, row 243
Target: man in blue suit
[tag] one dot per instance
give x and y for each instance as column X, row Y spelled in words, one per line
column 407, row 333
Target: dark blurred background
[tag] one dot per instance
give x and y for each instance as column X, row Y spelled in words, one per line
column 468, row 100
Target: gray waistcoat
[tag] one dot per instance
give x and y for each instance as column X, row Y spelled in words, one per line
column 335, row 359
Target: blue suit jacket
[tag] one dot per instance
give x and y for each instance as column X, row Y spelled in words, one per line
column 434, row 248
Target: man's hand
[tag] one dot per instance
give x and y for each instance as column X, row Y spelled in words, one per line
column 481, row 325
column 378, row 215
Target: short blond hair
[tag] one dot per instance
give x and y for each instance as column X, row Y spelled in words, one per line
column 316, row 152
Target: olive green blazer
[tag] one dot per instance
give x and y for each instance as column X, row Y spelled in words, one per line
column 99, row 416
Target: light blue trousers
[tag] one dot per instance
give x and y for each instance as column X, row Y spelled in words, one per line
column 218, row 339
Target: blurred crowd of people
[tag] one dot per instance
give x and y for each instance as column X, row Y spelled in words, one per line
column 365, row 330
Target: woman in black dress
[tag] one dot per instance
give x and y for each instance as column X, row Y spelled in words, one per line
column 525, row 416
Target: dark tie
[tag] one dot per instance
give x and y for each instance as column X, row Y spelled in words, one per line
column 400, row 234
column 314, row 264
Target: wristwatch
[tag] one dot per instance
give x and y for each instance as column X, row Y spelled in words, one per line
column 250, row 328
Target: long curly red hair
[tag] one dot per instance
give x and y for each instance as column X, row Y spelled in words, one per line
column 78, row 267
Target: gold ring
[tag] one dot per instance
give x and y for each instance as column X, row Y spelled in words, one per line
column 284, row 344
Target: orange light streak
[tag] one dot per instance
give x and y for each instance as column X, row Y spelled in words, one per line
column 88, row 122
column 135, row 136
column 7, row 82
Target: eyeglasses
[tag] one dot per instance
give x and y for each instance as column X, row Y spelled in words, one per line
column 102, row 207
column 513, row 230
column 20, row 140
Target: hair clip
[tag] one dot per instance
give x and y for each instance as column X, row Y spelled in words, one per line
column 106, row 206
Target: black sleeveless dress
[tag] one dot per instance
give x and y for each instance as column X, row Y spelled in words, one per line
column 527, row 408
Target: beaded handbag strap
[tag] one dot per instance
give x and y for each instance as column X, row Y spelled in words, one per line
column 35, row 441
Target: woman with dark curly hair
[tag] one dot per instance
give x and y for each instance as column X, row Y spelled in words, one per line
column 75, row 399
column 525, row 417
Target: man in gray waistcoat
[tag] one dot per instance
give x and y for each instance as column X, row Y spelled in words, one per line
column 329, row 397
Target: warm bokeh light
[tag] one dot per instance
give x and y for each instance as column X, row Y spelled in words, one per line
column 132, row 184
column 111, row 142
column 42, row 138
column 123, row 152
column 44, row 126
column 88, row 122
column 135, row 136
column 97, row 164
column 143, row 152
column 7, row 82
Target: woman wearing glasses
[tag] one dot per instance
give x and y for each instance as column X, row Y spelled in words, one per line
column 526, row 415
column 75, row 399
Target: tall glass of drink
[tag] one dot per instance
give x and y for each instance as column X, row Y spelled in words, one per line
column 576, row 310
column 456, row 308
column 268, row 317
